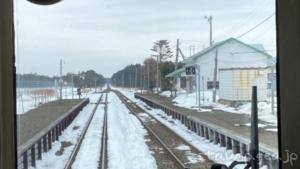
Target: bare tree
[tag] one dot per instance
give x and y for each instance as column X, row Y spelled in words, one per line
column 149, row 73
column 162, row 52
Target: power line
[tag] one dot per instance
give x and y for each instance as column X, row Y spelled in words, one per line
column 244, row 20
column 260, row 23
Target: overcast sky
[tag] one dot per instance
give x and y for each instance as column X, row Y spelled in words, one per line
column 107, row 35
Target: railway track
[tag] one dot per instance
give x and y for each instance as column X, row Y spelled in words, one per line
column 103, row 157
column 166, row 137
column 81, row 138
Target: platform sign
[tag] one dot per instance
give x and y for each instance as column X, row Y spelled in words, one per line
column 190, row 71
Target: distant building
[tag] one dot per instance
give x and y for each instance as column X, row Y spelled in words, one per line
column 231, row 54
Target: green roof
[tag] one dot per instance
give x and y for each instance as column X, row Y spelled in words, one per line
column 176, row 73
column 218, row 44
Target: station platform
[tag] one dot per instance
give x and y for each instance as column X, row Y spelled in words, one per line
column 41, row 117
column 231, row 122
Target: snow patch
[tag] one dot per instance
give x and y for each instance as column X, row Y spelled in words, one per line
column 126, row 139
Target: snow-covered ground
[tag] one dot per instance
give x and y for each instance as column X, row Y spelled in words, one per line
column 57, row 156
column 186, row 100
column 126, row 139
column 213, row 151
column 30, row 98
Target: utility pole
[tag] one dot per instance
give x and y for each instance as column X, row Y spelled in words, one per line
column 192, row 50
column 177, row 54
column 209, row 19
column 273, row 82
column 203, row 95
column 96, row 84
column 199, row 88
column 157, row 68
column 142, row 79
column 72, row 76
column 61, row 79
column 136, row 76
column 123, row 80
column 148, row 80
column 176, row 65
column 215, row 77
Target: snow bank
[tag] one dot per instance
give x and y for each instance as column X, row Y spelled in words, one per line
column 189, row 101
column 29, row 98
column 166, row 93
column 213, row 151
column 126, row 143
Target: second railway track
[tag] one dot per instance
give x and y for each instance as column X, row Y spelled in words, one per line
column 103, row 160
column 103, row 156
column 178, row 150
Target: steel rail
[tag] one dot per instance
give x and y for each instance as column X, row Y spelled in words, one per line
column 103, row 159
column 78, row 145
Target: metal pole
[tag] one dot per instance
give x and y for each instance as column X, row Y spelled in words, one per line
column 209, row 19
column 215, row 77
column 210, row 31
column 176, row 66
column 60, row 80
column 196, row 79
column 95, row 84
column 148, row 80
column 157, row 78
column 254, row 130
column 272, row 90
column 135, row 79
column 203, row 89
column 177, row 54
column 72, row 76
column 199, row 89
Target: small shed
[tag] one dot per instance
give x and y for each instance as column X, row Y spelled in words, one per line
column 236, row 83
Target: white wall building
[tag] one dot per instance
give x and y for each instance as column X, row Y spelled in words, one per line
column 236, row 83
column 230, row 53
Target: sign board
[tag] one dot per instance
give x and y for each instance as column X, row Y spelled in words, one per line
column 189, row 71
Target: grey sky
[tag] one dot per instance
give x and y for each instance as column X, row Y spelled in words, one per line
column 106, row 35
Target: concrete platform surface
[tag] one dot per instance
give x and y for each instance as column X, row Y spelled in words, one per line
column 37, row 119
column 225, row 120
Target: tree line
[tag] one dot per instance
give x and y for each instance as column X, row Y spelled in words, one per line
column 151, row 73
column 82, row 79
column 145, row 76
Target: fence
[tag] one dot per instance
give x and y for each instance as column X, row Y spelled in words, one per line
column 32, row 150
column 217, row 135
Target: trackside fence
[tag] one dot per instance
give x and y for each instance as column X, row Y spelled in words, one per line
column 32, row 150
column 217, row 135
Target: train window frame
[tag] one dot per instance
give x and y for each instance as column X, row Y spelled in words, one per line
column 287, row 46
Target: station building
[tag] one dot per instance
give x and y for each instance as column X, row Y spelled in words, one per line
column 239, row 67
